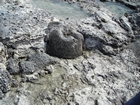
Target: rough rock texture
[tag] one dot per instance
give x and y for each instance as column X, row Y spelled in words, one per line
column 22, row 28
column 102, row 30
column 41, row 60
column 134, row 19
column 130, row 3
column 106, row 73
column 27, row 67
column 2, row 53
column 63, row 42
column 13, row 66
column 5, row 80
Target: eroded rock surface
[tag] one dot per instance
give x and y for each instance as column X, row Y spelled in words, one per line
column 134, row 19
column 64, row 42
column 106, row 73
column 130, row 3
column 5, row 80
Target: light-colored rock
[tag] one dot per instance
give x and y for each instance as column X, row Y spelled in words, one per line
column 2, row 66
column 91, row 79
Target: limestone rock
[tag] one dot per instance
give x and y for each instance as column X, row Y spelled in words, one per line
column 102, row 30
column 49, row 69
column 24, row 29
column 91, row 79
column 130, row 3
column 91, row 43
column 2, row 66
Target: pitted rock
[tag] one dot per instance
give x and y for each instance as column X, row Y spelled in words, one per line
column 64, row 43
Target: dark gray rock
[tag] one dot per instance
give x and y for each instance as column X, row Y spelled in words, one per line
column 12, row 66
column 134, row 19
column 27, row 67
column 2, row 53
column 64, row 43
column 5, row 81
column 41, row 60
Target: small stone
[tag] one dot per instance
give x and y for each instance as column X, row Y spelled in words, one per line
column 107, row 50
column 5, row 81
column 42, row 73
column 30, row 78
column 2, row 53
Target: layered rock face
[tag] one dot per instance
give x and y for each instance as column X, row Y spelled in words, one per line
column 103, row 71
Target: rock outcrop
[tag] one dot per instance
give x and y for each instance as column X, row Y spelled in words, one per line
column 2, row 53
column 5, row 80
column 103, row 71
column 134, row 19
column 129, row 3
column 63, row 42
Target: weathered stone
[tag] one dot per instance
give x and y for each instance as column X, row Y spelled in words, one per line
column 41, row 60
column 2, row 53
column 27, row 67
column 87, row 80
column 30, row 78
column 64, row 44
column 102, row 30
column 49, row 69
column 108, row 50
column 5, row 81
column 24, row 29
column 12, row 66
column 129, row 3
column 124, row 23
column 2, row 66
column 134, row 19
column 1, row 94
column 91, row 43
